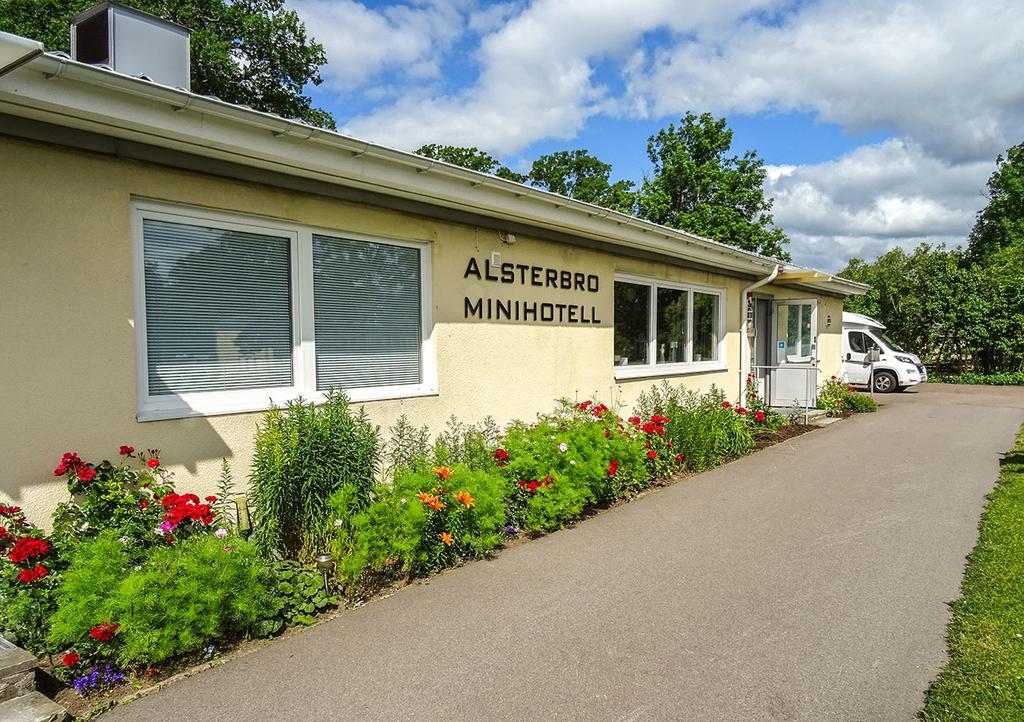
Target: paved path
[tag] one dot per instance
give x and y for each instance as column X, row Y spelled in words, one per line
column 806, row 582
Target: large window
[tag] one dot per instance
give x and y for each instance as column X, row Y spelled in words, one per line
column 234, row 313
column 663, row 327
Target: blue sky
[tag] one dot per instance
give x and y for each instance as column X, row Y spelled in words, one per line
column 879, row 120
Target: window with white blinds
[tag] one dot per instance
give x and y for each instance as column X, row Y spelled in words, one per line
column 218, row 309
column 236, row 313
column 366, row 302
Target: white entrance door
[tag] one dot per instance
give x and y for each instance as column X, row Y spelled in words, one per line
column 795, row 382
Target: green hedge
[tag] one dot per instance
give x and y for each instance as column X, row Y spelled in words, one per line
column 1002, row 379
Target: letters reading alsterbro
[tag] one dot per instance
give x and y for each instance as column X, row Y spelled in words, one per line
column 521, row 274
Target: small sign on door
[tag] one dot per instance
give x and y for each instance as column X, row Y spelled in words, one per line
column 782, row 345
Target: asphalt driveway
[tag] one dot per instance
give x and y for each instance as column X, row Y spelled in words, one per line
column 805, row 582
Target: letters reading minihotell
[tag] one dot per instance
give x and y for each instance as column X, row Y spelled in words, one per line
column 491, row 309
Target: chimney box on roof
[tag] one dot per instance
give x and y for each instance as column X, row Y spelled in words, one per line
column 132, row 42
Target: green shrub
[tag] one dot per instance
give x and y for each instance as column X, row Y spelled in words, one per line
column 564, row 463
column 836, row 398
column 305, row 453
column 466, row 444
column 408, row 447
column 704, row 428
column 1011, row 378
column 179, row 599
column 425, row 521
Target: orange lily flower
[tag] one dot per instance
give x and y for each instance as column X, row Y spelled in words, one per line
column 446, row 538
column 443, row 472
column 435, row 503
column 465, row 498
column 424, row 497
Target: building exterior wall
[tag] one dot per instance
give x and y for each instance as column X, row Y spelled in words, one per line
column 66, row 320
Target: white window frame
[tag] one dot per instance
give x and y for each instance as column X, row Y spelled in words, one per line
column 679, row 368
column 213, row 403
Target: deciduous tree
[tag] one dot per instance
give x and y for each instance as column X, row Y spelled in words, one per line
column 578, row 174
column 251, row 52
column 698, row 187
column 472, row 158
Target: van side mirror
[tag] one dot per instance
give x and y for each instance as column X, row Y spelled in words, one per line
column 874, row 355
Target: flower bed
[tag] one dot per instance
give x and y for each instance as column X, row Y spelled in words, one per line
column 137, row 574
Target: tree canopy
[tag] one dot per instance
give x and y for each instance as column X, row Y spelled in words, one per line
column 472, row 158
column 580, row 175
column 697, row 187
column 694, row 186
column 251, row 52
column 1000, row 224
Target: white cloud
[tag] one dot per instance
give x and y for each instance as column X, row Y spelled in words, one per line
column 938, row 72
column 537, row 75
column 361, row 42
column 873, row 199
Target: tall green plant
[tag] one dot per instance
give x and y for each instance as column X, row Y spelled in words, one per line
column 304, row 453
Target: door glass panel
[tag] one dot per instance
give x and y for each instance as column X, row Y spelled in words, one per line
column 805, row 330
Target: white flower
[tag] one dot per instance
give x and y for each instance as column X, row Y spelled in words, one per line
column 563, row 447
column 553, row 437
column 572, row 462
column 159, row 531
column 402, row 500
column 84, row 527
column 221, row 533
column 123, row 540
column 339, row 523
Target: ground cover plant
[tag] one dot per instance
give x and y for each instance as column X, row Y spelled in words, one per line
column 836, row 398
column 997, row 379
column 984, row 678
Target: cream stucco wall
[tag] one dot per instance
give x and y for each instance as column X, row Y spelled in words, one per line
column 68, row 349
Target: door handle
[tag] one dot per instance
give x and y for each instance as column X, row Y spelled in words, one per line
column 849, row 357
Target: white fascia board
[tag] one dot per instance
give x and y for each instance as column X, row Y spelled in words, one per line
column 56, row 90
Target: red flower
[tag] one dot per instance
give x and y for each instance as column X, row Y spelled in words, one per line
column 726, row 405
column 599, row 410
column 501, row 456
column 635, row 420
column 759, row 416
column 583, row 405
column 211, row 498
column 70, row 659
column 30, row 575
column 740, row 410
column 679, row 458
column 86, row 473
column 652, row 454
column 28, row 547
column 126, row 450
column 613, row 467
column 850, row 388
column 104, row 631
column 143, row 504
column 153, row 463
column 607, row 433
column 9, row 510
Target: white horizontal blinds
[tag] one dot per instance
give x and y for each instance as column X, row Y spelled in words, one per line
column 218, row 309
column 366, row 306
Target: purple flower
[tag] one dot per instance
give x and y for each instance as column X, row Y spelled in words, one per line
column 98, row 677
column 511, row 530
column 167, row 527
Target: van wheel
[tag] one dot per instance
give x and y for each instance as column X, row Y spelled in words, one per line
column 885, row 382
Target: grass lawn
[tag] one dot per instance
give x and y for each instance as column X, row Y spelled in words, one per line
column 984, row 679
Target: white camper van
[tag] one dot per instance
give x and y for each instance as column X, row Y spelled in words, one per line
column 895, row 368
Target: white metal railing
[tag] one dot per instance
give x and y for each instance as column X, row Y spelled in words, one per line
column 810, row 382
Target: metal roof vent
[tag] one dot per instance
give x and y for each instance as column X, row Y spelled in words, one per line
column 132, row 42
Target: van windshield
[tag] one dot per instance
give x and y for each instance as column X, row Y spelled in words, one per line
column 890, row 343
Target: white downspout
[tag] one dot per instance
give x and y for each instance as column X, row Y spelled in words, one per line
column 744, row 351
